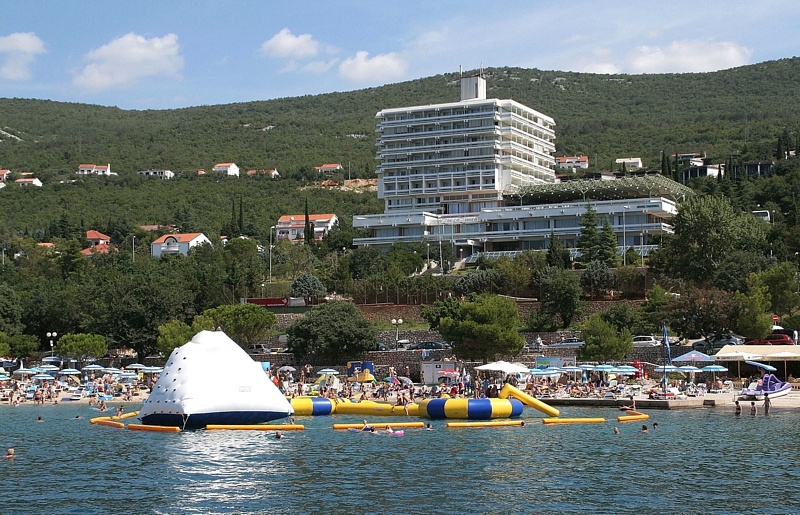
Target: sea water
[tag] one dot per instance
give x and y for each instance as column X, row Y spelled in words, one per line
column 698, row 461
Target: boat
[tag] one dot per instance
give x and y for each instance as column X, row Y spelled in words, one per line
column 768, row 384
column 212, row 380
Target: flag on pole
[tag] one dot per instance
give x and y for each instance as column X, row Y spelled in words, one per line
column 667, row 357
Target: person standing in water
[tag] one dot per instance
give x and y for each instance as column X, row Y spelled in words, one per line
column 738, row 409
column 767, row 404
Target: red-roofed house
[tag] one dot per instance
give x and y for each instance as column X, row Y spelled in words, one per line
column 173, row 244
column 97, row 238
column 273, row 174
column 572, row 162
column 328, row 168
column 92, row 169
column 4, row 175
column 102, row 248
column 29, row 181
column 226, row 168
column 292, row 227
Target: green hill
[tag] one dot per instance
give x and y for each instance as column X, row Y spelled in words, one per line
column 743, row 110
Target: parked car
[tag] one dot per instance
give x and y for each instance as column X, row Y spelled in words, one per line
column 645, row 341
column 259, row 348
column 428, row 346
column 771, row 339
column 567, row 343
column 712, row 343
column 381, row 346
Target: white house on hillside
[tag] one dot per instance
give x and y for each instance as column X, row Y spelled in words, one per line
column 173, row 244
column 161, row 174
column 292, row 227
column 92, row 169
column 226, row 168
column 329, row 168
column 631, row 163
column 29, row 181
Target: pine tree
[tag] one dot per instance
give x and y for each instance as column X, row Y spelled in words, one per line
column 589, row 237
column 308, row 230
column 557, row 255
column 607, row 248
column 241, row 214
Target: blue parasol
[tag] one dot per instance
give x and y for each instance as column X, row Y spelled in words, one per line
column 768, row 368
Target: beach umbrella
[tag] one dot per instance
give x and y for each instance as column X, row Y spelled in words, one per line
column 714, row 369
column 42, row 377
column 152, row 370
column 405, row 380
column 737, row 356
column 93, row 367
column 51, row 359
column 4, row 377
column 70, row 372
column 24, row 371
column 665, row 369
column 135, row 366
column 783, row 356
column 129, row 375
column 112, row 370
column 327, row 371
column 605, row 367
column 693, row 356
column 48, row 368
column 768, row 368
column 287, row 368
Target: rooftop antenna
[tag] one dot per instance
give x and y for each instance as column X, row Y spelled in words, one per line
column 460, row 71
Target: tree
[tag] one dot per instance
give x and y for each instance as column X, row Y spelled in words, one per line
column 625, row 316
column 736, row 267
column 334, row 331
column 589, row 242
column 702, row 312
column 489, row 325
column 23, row 345
column 604, row 342
column 706, row 229
column 245, row 324
column 607, row 251
column 10, row 310
column 561, row 295
column 557, row 254
column 481, row 281
column 781, row 283
column 81, row 346
column 752, row 317
column 597, row 279
column 308, row 287
column 447, row 308
column 308, row 228
column 176, row 333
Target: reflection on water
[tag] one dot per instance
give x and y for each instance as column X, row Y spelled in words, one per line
column 699, row 461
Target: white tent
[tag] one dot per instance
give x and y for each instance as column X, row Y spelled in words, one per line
column 212, row 380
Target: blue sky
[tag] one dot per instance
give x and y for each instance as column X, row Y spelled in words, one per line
column 162, row 54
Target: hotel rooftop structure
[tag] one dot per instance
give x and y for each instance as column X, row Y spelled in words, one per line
column 479, row 175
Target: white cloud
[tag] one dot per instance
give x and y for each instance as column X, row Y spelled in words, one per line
column 687, row 56
column 319, row 66
column 382, row 67
column 128, row 59
column 286, row 44
column 17, row 53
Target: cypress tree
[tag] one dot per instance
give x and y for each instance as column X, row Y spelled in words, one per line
column 308, row 230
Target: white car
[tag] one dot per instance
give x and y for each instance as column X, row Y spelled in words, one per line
column 645, row 341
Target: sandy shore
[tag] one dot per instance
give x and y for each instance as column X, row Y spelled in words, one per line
column 721, row 400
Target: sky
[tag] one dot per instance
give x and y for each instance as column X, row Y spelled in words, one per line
column 165, row 54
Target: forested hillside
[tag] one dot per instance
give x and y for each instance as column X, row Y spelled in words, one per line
column 745, row 110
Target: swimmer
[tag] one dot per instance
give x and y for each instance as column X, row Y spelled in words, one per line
column 429, row 427
column 78, row 417
column 616, row 430
column 278, row 435
column 9, row 453
column 389, row 429
column 40, row 419
column 522, row 424
column 366, row 427
column 120, row 410
column 655, row 425
column 644, row 428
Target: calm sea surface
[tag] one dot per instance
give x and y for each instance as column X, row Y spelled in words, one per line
column 698, row 461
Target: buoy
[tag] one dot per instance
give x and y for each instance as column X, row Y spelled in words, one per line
column 632, row 416
column 491, row 423
column 158, row 429
column 555, row 420
column 125, row 415
column 257, row 427
column 95, row 420
column 110, row 423
column 379, row 425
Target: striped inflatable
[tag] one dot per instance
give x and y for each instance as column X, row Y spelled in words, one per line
column 470, row 409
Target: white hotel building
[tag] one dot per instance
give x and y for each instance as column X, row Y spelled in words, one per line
column 447, row 172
